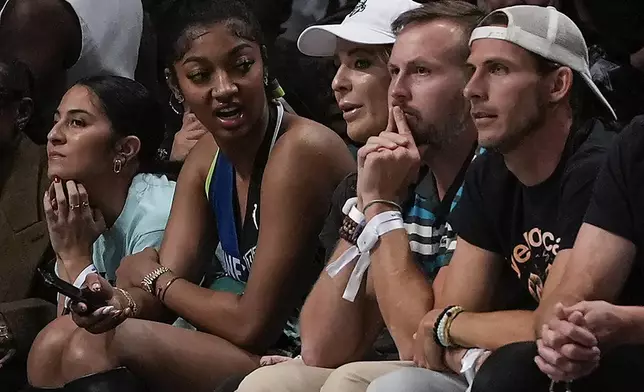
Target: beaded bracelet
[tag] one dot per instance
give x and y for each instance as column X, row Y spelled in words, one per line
column 350, row 230
column 437, row 324
column 449, row 319
column 443, row 323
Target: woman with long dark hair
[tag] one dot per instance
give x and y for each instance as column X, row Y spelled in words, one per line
column 254, row 193
column 104, row 203
column 105, row 200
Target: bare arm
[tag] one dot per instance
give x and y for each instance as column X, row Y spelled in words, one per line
column 472, row 278
column 634, row 319
column 404, row 294
column 188, row 240
column 598, row 266
column 492, row 330
column 336, row 331
column 294, row 201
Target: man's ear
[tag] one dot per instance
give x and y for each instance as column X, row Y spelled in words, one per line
column 128, row 147
column 172, row 84
column 561, row 84
column 25, row 111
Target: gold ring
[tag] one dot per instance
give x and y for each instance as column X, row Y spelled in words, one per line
column 73, row 207
column 85, row 204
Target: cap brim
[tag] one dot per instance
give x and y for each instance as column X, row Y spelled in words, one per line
column 589, row 81
column 321, row 41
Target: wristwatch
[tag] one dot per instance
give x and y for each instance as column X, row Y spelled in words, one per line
column 149, row 281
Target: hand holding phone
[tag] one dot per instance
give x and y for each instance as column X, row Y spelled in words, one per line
column 83, row 295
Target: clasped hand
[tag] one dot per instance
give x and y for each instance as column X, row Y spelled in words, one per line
column 569, row 344
column 388, row 163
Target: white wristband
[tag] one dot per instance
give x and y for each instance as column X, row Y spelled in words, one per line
column 379, row 225
column 80, row 279
column 468, row 364
column 351, row 210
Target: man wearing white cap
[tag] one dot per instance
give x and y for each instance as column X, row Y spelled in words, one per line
column 340, row 321
column 532, row 101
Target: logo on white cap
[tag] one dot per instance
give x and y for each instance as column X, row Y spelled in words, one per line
column 361, row 6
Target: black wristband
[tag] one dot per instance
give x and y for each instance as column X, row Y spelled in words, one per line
column 437, row 322
column 350, row 230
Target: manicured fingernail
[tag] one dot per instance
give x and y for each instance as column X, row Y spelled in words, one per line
column 107, row 309
column 116, row 312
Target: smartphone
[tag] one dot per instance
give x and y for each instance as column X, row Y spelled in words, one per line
column 69, row 290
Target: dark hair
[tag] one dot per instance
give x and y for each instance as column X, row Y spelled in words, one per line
column 16, row 80
column 132, row 111
column 189, row 16
column 464, row 14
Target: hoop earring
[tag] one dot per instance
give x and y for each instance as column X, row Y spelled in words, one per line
column 265, row 80
column 174, row 109
column 118, row 165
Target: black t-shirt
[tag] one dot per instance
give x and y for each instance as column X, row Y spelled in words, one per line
column 528, row 226
column 617, row 203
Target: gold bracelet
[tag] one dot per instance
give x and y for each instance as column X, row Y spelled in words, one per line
column 167, row 286
column 130, row 301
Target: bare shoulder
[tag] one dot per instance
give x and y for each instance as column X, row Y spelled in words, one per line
column 310, row 154
column 311, row 141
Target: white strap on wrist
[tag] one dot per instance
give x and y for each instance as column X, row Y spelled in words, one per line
column 379, row 225
column 80, row 279
column 468, row 364
column 350, row 209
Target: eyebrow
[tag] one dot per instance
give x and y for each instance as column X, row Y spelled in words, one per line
column 239, row 48
column 492, row 60
column 415, row 62
column 356, row 51
column 75, row 111
column 232, row 52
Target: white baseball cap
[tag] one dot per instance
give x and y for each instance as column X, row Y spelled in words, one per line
column 546, row 32
column 369, row 23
